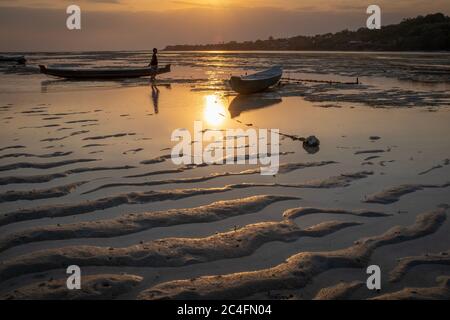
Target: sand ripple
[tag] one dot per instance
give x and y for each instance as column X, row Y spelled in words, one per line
column 102, row 287
column 394, row 194
column 45, row 165
column 407, row 263
column 52, row 176
column 132, row 223
column 441, row 292
column 297, row 271
column 54, row 192
column 341, row 291
column 170, row 252
column 63, row 210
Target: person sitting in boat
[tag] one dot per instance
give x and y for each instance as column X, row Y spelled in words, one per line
column 154, row 63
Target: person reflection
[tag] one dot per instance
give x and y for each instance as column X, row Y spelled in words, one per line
column 155, row 98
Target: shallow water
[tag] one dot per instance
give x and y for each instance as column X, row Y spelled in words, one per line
column 111, row 125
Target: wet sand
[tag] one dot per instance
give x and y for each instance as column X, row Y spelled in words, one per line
column 86, row 178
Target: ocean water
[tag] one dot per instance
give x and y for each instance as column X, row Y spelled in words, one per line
column 73, row 144
column 419, row 68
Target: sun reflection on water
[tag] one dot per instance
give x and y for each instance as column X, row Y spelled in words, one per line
column 215, row 111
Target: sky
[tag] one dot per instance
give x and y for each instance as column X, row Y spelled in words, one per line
column 40, row 25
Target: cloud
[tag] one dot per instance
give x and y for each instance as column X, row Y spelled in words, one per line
column 105, row 1
column 329, row 6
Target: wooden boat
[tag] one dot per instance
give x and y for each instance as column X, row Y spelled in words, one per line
column 256, row 82
column 116, row 73
column 17, row 59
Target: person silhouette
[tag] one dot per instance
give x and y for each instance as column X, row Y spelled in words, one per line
column 154, row 64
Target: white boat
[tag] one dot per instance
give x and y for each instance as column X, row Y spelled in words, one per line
column 256, row 82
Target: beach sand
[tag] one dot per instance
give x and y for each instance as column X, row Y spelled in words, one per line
column 86, row 178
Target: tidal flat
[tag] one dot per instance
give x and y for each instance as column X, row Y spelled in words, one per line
column 86, row 178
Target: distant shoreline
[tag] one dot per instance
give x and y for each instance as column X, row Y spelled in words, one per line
column 229, row 51
column 423, row 33
column 317, row 51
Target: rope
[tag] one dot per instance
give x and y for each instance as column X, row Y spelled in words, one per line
column 299, row 81
column 292, row 137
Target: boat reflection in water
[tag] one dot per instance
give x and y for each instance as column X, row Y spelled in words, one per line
column 245, row 103
column 56, row 84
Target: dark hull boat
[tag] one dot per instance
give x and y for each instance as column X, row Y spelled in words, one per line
column 256, row 82
column 116, row 73
column 17, row 59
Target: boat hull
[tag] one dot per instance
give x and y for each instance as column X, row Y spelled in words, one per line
column 17, row 59
column 103, row 73
column 257, row 82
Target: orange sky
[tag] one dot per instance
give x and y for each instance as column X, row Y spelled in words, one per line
column 164, row 5
column 39, row 25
